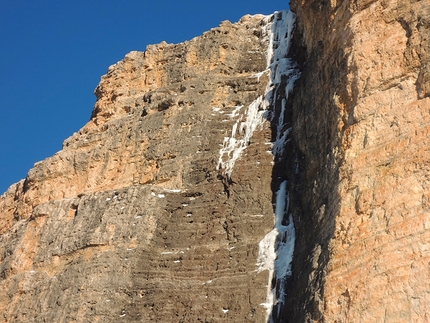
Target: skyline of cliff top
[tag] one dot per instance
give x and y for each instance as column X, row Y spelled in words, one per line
column 55, row 53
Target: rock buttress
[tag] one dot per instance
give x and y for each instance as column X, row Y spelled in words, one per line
column 361, row 128
column 134, row 220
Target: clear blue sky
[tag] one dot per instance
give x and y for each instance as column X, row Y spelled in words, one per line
column 54, row 52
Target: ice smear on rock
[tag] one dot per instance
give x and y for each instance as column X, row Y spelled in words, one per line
column 277, row 247
column 241, row 133
column 276, row 251
column 279, row 33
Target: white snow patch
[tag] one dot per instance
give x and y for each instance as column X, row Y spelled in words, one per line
column 241, row 133
column 235, row 112
column 172, row 190
column 258, row 75
column 258, row 215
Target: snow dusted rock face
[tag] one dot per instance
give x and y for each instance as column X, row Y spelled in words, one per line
column 360, row 199
column 154, row 211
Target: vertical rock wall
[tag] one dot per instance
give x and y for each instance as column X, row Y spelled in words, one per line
column 154, row 210
column 139, row 217
column 361, row 128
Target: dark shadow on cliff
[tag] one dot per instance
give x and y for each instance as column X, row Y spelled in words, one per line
column 312, row 158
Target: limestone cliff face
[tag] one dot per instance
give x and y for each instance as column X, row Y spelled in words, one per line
column 162, row 207
column 142, row 216
column 361, row 131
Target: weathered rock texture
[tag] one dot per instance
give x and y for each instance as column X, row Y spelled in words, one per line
column 131, row 221
column 361, row 128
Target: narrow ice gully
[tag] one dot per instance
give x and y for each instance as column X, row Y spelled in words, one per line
column 277, row 247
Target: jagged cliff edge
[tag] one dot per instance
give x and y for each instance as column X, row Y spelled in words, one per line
column 121, row 224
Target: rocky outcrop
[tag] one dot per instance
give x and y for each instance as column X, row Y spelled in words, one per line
column 154, row 210
column 361, row 131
